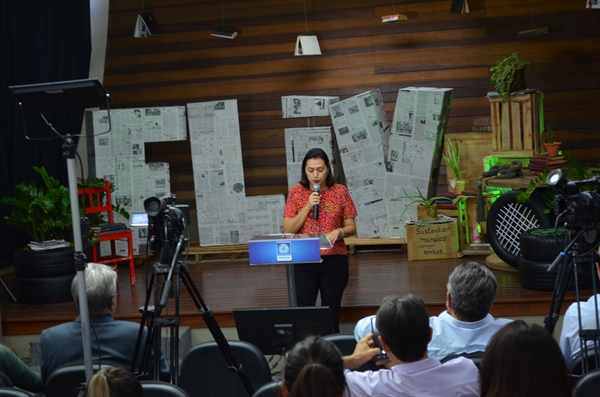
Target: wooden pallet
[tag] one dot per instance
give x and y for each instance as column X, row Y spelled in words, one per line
column 354, row 242
column 233, row 251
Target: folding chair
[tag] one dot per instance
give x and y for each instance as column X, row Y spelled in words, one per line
column 98, row 200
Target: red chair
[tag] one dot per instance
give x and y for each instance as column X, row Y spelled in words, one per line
column 98, row 200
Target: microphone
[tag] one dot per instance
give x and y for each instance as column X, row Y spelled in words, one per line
column 316, row 188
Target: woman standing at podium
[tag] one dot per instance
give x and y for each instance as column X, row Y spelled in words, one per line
column 319, row 205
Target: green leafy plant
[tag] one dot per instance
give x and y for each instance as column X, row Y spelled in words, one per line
column 418, row 199
column 453, row 159
column 42, row 211
column 503, row 73
column 550, row 136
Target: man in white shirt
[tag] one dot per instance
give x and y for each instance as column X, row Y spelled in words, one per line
column 569, row 341
column 467, row 326
column 403, row 324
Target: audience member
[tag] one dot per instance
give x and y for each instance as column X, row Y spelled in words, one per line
column 112, row 341
column 19, row 374
column 314, row 367
column 569, row 341
column 467, row 326
column 404, row 330
column 113, row 382
column 524, row 360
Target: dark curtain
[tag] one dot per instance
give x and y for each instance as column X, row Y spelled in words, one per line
column 40, row 41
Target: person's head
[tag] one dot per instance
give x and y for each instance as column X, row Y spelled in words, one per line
column 101, row 287
column 523, row 360
column 314, row 367
column 472, row 288
column 114, row 382
column 403, row 324
column 316, row 169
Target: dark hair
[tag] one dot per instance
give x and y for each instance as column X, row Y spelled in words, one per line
column 114, row 382
column 473, row 288
column 314, row 367
column 523, row 360
column 403, row 324
column 316, row 153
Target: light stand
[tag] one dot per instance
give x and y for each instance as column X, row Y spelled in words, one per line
column 65, row 96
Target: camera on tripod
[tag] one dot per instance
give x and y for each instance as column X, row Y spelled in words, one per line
column 166, row 223
column 581, row 209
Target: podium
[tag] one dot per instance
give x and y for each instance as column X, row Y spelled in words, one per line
column 287, row 249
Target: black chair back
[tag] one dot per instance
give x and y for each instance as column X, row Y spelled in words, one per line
column 346, row 343
column 475, row 357
column 5, row 380
column 576, row 367
column 271, row 389
column 588, row 385
column 205, row 372
column 154, row 388
column 14, row 392
column 67, row 381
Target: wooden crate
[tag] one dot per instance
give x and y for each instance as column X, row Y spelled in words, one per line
column 516, row 126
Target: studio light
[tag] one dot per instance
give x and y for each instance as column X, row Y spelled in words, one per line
column 146, row 24
column 223, row 31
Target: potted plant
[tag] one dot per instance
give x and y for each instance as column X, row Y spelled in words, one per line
column 508, row 75
column 426, row 208
column 456, row 183
column 552, row 147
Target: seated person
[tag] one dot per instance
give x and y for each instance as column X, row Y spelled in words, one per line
column 112, row 341
column 404, row 329
column 523, row 360
column 113, row 382
column 314, row 367
column 467, row 325
column 569, row 341
column 19, row 374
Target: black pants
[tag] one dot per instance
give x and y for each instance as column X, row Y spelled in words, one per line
column 329, row 277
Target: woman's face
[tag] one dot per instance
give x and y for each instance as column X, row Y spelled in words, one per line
column 316, row 172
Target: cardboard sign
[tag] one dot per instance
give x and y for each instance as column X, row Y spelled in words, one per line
column 433, row 241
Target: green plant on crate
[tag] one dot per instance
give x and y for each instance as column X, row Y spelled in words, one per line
column 508, row 73
column 428, row 205
column 533, row 184
column 42, row 211
column 453, row 159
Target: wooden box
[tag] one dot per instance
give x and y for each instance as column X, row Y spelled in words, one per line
column 516, row 126
column 432, row 241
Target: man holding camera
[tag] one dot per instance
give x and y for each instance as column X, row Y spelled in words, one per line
column 403, row 324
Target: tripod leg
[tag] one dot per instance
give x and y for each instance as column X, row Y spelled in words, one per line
column 8, row 291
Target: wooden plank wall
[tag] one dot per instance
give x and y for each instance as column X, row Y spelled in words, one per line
column 432, row 48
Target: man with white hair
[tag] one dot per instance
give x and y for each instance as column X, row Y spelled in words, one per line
column 112, row 341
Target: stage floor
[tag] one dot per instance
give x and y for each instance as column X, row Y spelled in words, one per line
column 225, row 284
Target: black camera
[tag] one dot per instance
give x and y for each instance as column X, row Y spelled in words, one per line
column 166, row 223
column 581, row 209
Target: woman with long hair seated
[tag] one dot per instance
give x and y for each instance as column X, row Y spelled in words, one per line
column 315, row 368
column 113, row 382
column 523, row 360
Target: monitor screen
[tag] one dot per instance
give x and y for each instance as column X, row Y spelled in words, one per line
column 275, row 330
column 139, row 219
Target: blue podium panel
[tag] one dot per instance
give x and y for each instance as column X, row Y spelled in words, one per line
column 284, row 248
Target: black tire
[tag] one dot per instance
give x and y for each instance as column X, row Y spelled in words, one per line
column 507, row 219
column 540, row 248
column 535, row 275
column 40, row 290
column 50, row 263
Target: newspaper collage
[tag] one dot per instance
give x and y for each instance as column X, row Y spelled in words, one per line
column 298, row 141
column 306, row 106
column 225, row 214
column 118, row 156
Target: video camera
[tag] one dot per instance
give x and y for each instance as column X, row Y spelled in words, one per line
column 582, row 209
column 166, row 223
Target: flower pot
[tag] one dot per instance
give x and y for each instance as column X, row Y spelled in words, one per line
column 459, row 186
column 552, row 148
column 427, row 213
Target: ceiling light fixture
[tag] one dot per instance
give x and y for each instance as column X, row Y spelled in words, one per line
column 146, row 24
column 307, row 44
column 223, row 31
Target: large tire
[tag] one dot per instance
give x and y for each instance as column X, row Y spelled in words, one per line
column 535, row 275
column 43, row 290
column 50, row 263
column 507, row 219
column 540, row 248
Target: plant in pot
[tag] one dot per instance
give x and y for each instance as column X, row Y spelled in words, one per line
column 456, row 183
column 552, row 147
column 508, row 75
column 426, row 208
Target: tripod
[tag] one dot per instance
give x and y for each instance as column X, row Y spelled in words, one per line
column 153, row 340
column 577, row 253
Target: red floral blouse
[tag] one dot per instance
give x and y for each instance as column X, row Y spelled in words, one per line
column 336, row 205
